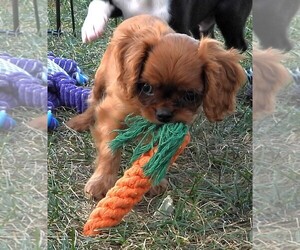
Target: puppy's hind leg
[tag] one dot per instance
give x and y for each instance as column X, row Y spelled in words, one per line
column 83, row 121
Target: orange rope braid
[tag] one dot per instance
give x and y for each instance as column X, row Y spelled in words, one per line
column 126, row 193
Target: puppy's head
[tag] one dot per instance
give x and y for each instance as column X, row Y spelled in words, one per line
column 169, row 77
column 170, row 87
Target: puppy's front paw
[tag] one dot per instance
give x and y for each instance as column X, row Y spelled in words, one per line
column 159, row 189
column 98, row 185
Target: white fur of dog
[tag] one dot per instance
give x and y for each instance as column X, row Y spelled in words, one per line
column 99, row 11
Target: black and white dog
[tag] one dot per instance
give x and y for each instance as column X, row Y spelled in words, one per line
column 192, row 17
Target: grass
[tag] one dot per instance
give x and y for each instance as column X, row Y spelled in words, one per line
column 23, row 151
column 210, row 184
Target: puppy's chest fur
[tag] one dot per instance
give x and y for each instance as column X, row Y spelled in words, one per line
column 158, row 8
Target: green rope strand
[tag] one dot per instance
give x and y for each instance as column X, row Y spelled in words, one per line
column 167, row 137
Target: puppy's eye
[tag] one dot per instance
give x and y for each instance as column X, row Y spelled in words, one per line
column 147, row 89
column 189, row 96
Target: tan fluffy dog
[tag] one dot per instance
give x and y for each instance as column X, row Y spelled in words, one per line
column 269, row 77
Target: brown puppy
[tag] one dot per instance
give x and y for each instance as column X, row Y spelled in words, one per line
column 269, row 77
column 150, row 70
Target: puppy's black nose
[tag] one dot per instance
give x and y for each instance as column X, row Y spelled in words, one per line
column 164, row 115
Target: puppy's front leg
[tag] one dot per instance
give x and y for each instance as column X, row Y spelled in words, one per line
column 108, row 119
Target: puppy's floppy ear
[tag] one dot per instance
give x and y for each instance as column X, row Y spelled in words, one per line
column 223, row 76
column 133, row 47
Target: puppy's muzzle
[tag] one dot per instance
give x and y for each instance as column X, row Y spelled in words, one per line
column 164, row 115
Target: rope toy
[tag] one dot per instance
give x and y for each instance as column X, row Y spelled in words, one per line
column 150, row 161
column 18, row 87
column 23, row 82
column 63, row 75
column 31, row 66
column 62, row 78
column 62, row 89
column 69, row 66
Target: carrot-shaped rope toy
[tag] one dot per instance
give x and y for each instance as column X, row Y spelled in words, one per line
column 158, row 147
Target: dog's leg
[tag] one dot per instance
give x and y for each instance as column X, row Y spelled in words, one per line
column 179, row 18
column 231, row 20
column 205, row 28
column 107, row 119
column 95, row 22
column 83, row 121
column 234, row 37
column 271, row 20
